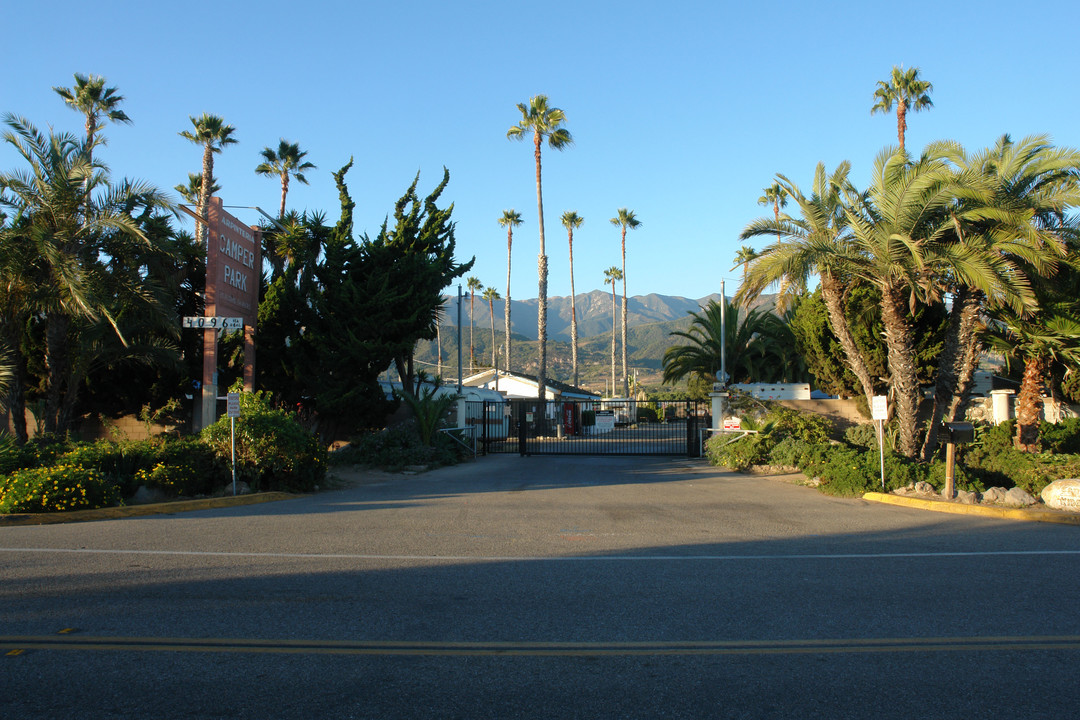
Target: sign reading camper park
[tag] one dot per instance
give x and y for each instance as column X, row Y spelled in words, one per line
column 232, row 266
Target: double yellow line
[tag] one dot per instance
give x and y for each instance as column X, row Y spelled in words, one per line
column 18, row 644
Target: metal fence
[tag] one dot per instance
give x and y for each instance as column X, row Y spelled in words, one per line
column 589, row 427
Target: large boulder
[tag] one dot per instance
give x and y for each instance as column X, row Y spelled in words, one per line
column 1063, row 495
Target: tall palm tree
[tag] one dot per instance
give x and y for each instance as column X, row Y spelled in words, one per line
column 510, row 219
column 97, row 103
column 818, row 242
column 284, row 163
column 746, row 255
column 907, row 92
column 213, row 134
column 571, row 220
column 612, row 275
column 491, row 295
column 542, row 122
column 774, row 196
column 475, row 286
column 625, row 219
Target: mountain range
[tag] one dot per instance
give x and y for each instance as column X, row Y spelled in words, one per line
column 593, row 313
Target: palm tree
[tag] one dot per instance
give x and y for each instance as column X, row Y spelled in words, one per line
column 775, row 196
column 1053, row 336
column 491, row 295
column 612, row 275
column 899, row 230
column 213, row 134
column 475, row 286
column 96, row 102
column 60, row 228
column 755, row 343
column 817, row 243
column 907, row 92
column 193, row 189
column 625, row 219
column 571, row 220
column 1006, row 234
column 543, row 122
column 746, row 255
column 286, row 162
column 509, row 220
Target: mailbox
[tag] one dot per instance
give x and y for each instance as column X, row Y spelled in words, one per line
column 958, row 432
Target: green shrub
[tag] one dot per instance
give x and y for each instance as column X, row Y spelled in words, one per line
column 862, row 435
column 808, row 427
column 273, row 451
column 56, row 488
column 792, row 452
column 738, row 454
column 396, row 448
column 1062, row 438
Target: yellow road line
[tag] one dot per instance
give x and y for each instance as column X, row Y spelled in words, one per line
column 17, row 644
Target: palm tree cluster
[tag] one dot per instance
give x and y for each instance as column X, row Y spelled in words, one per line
column 975, row 231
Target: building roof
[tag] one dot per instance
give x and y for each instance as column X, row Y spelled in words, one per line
column 559, row 387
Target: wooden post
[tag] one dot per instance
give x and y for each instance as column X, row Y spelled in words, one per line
column 950, row 469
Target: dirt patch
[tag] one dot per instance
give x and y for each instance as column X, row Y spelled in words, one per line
column 340, row 477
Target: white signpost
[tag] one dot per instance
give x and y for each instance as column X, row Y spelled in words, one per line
column 879, row 411
column 232, row 401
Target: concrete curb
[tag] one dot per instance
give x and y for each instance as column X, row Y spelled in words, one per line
column 165, row 508
column 1031, row 515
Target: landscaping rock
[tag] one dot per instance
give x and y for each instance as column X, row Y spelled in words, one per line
column 924, row 488
column 145, row 496
column 994, row 495
column 1063, row 495
column 968, row 497
column 1017, row 497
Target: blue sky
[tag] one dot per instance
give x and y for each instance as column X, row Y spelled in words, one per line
column 681, row 111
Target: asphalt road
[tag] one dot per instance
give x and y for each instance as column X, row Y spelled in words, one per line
column 561, row 587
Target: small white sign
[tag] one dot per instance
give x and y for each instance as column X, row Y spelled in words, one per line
column 214, row 323
column 732, row 423
column 879, row 410
column 233, row 404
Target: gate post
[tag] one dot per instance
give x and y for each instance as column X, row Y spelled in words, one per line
column 522, row 431
column 692, row 449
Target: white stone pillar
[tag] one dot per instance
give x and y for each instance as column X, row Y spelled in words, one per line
column 1002, row 405
column 718, row 409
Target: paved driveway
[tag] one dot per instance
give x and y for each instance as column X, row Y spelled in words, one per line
column 569, row 587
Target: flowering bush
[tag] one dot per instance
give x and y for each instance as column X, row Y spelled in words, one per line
column 56, row 488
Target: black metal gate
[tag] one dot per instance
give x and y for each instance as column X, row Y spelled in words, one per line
column 590, row 427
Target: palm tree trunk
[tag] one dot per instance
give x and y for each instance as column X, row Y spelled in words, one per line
column 472, row 345
column 57, row 362
column 901, row 122
column 973, row 351
column 1029, row 405
column 16, row 402
column 625, row 372
column 832, row 294
column 614, row 324
column 905, row 385
column 491, row 310
column 284, row 192
column 573, row 314
column 202, row 230
column 506, row 310
column 542, row 271
column 961, row 328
